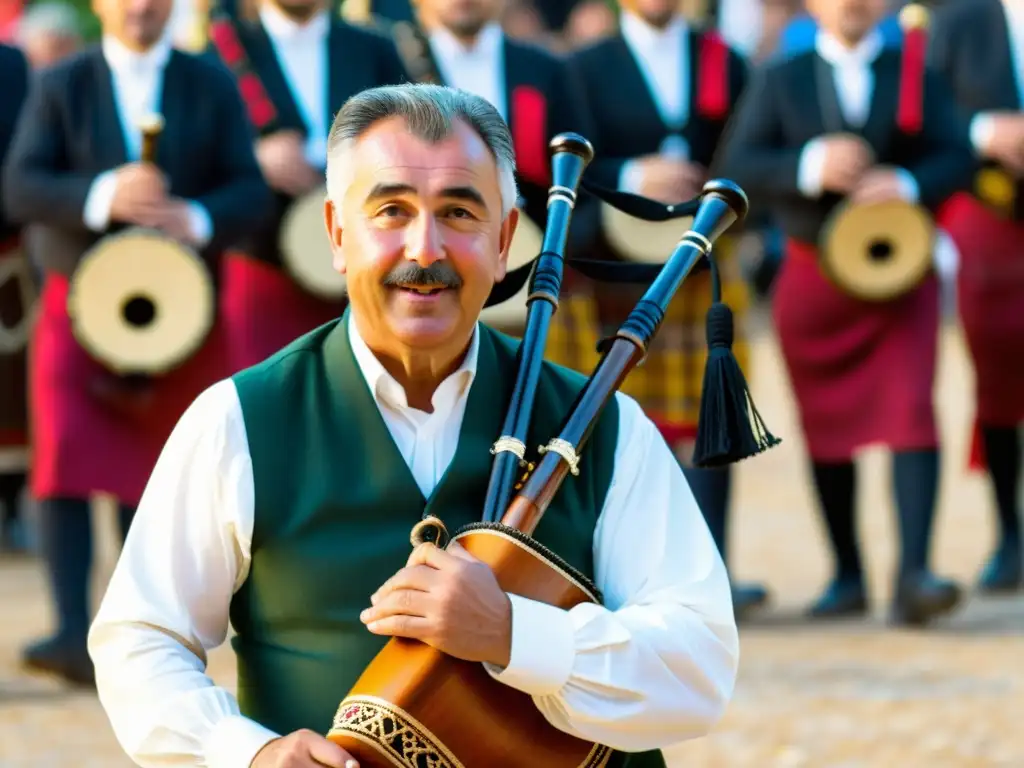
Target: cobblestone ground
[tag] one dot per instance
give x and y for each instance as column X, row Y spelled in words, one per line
column 842, row 695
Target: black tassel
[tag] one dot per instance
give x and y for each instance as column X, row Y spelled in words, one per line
column 730, row 428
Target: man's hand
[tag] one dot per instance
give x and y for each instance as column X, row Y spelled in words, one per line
column 141, row 188
column 670, row 180
column 878, row 185
column 302, row 749
column 284, row 165
column 174, row 219
column 1006, row 146
column 847, row 158
column 449, row 600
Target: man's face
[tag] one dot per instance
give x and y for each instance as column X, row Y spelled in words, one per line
column 420, row 238
column 464, row 18
column 849, row 20
column 136, row 23
column 299, row 10
column 657, row 13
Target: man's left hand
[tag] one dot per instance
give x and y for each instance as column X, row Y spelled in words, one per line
column 449, row 600
column 878, row 185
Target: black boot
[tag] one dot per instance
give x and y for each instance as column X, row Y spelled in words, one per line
column 845, row 596
column 65, row 539
column 1004, row 572
column 711, row 489
column 919, row 596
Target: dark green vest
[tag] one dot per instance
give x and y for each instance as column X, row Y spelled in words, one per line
column 335, row 502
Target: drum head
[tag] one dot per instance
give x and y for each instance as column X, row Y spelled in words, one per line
column 306, row 248
column 648, row 242
column 141, row 303
column 880, row 251
column 510, row 315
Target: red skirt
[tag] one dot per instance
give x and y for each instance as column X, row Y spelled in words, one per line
column 265, row 310
column 82, row 446
column 862, row 372
column 990, row 297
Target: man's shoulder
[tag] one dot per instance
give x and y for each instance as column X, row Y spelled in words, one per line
column 71, row 71
column 593, row 53
column 535, row 56
column 205, row 70
column 280, row 371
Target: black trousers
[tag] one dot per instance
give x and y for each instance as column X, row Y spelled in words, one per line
column 66, row 548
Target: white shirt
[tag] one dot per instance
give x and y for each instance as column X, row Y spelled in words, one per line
column 662, row 56
column 137, row 80
column 653, row 667
column 301, row 50
column 855, row 84
column 479, row 68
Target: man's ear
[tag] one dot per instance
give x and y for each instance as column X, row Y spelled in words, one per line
column 334, row 234
column 508, row 231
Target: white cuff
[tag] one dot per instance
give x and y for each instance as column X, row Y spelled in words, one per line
column 200, row 223
column 909, row 189
column 631, row 177
column 99, row 201
column 543, row 648
column 811, row 170
column 235, row 741
column 982, row 128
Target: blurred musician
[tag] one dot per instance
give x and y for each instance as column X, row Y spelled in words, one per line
column 307, row 62
column 817, row 129
column 15, row 285
column 460, row 43
column 48, row 32
column 72, row 172
column 661, row 92
column 979, row 46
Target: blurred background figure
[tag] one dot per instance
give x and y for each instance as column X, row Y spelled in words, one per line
column 48, row 32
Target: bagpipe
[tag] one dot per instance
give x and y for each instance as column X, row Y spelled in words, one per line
column 415, row 706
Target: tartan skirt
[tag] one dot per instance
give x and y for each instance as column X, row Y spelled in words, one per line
column 668, row 383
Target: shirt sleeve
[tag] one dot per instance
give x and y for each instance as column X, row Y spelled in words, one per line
column 166, row 605
column 656, row 664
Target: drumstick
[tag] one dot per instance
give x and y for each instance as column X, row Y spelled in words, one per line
column 151, row 127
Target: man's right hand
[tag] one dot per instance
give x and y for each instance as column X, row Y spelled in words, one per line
column 1006, row 145
column 141, row 189
column 670, row 180
column 283, row 162
column 303, row 749
column 847, row 158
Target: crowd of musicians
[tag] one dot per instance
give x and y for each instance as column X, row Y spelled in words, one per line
column 857, row 113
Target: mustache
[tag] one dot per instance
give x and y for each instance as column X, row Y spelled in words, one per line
column 410, row 273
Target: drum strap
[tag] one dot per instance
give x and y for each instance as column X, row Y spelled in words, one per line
column 224, row 37
column 910, row 109
column 713, row 77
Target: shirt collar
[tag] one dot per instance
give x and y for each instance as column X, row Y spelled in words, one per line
column 487, row 44
column 385, row 388
column 645, row 37
column 284, row 29
column 837, row 54
column 122, row 58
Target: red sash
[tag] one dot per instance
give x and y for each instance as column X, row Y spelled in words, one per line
column 257, row 101
column 529, row 127
column 910, row 109
column 713, row 77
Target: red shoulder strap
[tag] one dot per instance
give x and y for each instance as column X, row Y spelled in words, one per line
column 257, row 101
column 910, row 110
column 529, row 124
column 713, row 77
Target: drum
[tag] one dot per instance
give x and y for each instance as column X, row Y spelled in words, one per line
column 510, row 315
column 141, row 303
column 648, row 242
column 306, row 248
column 877, row 252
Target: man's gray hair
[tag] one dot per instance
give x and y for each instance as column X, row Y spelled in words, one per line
column 430, row 112
column 49, row 18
